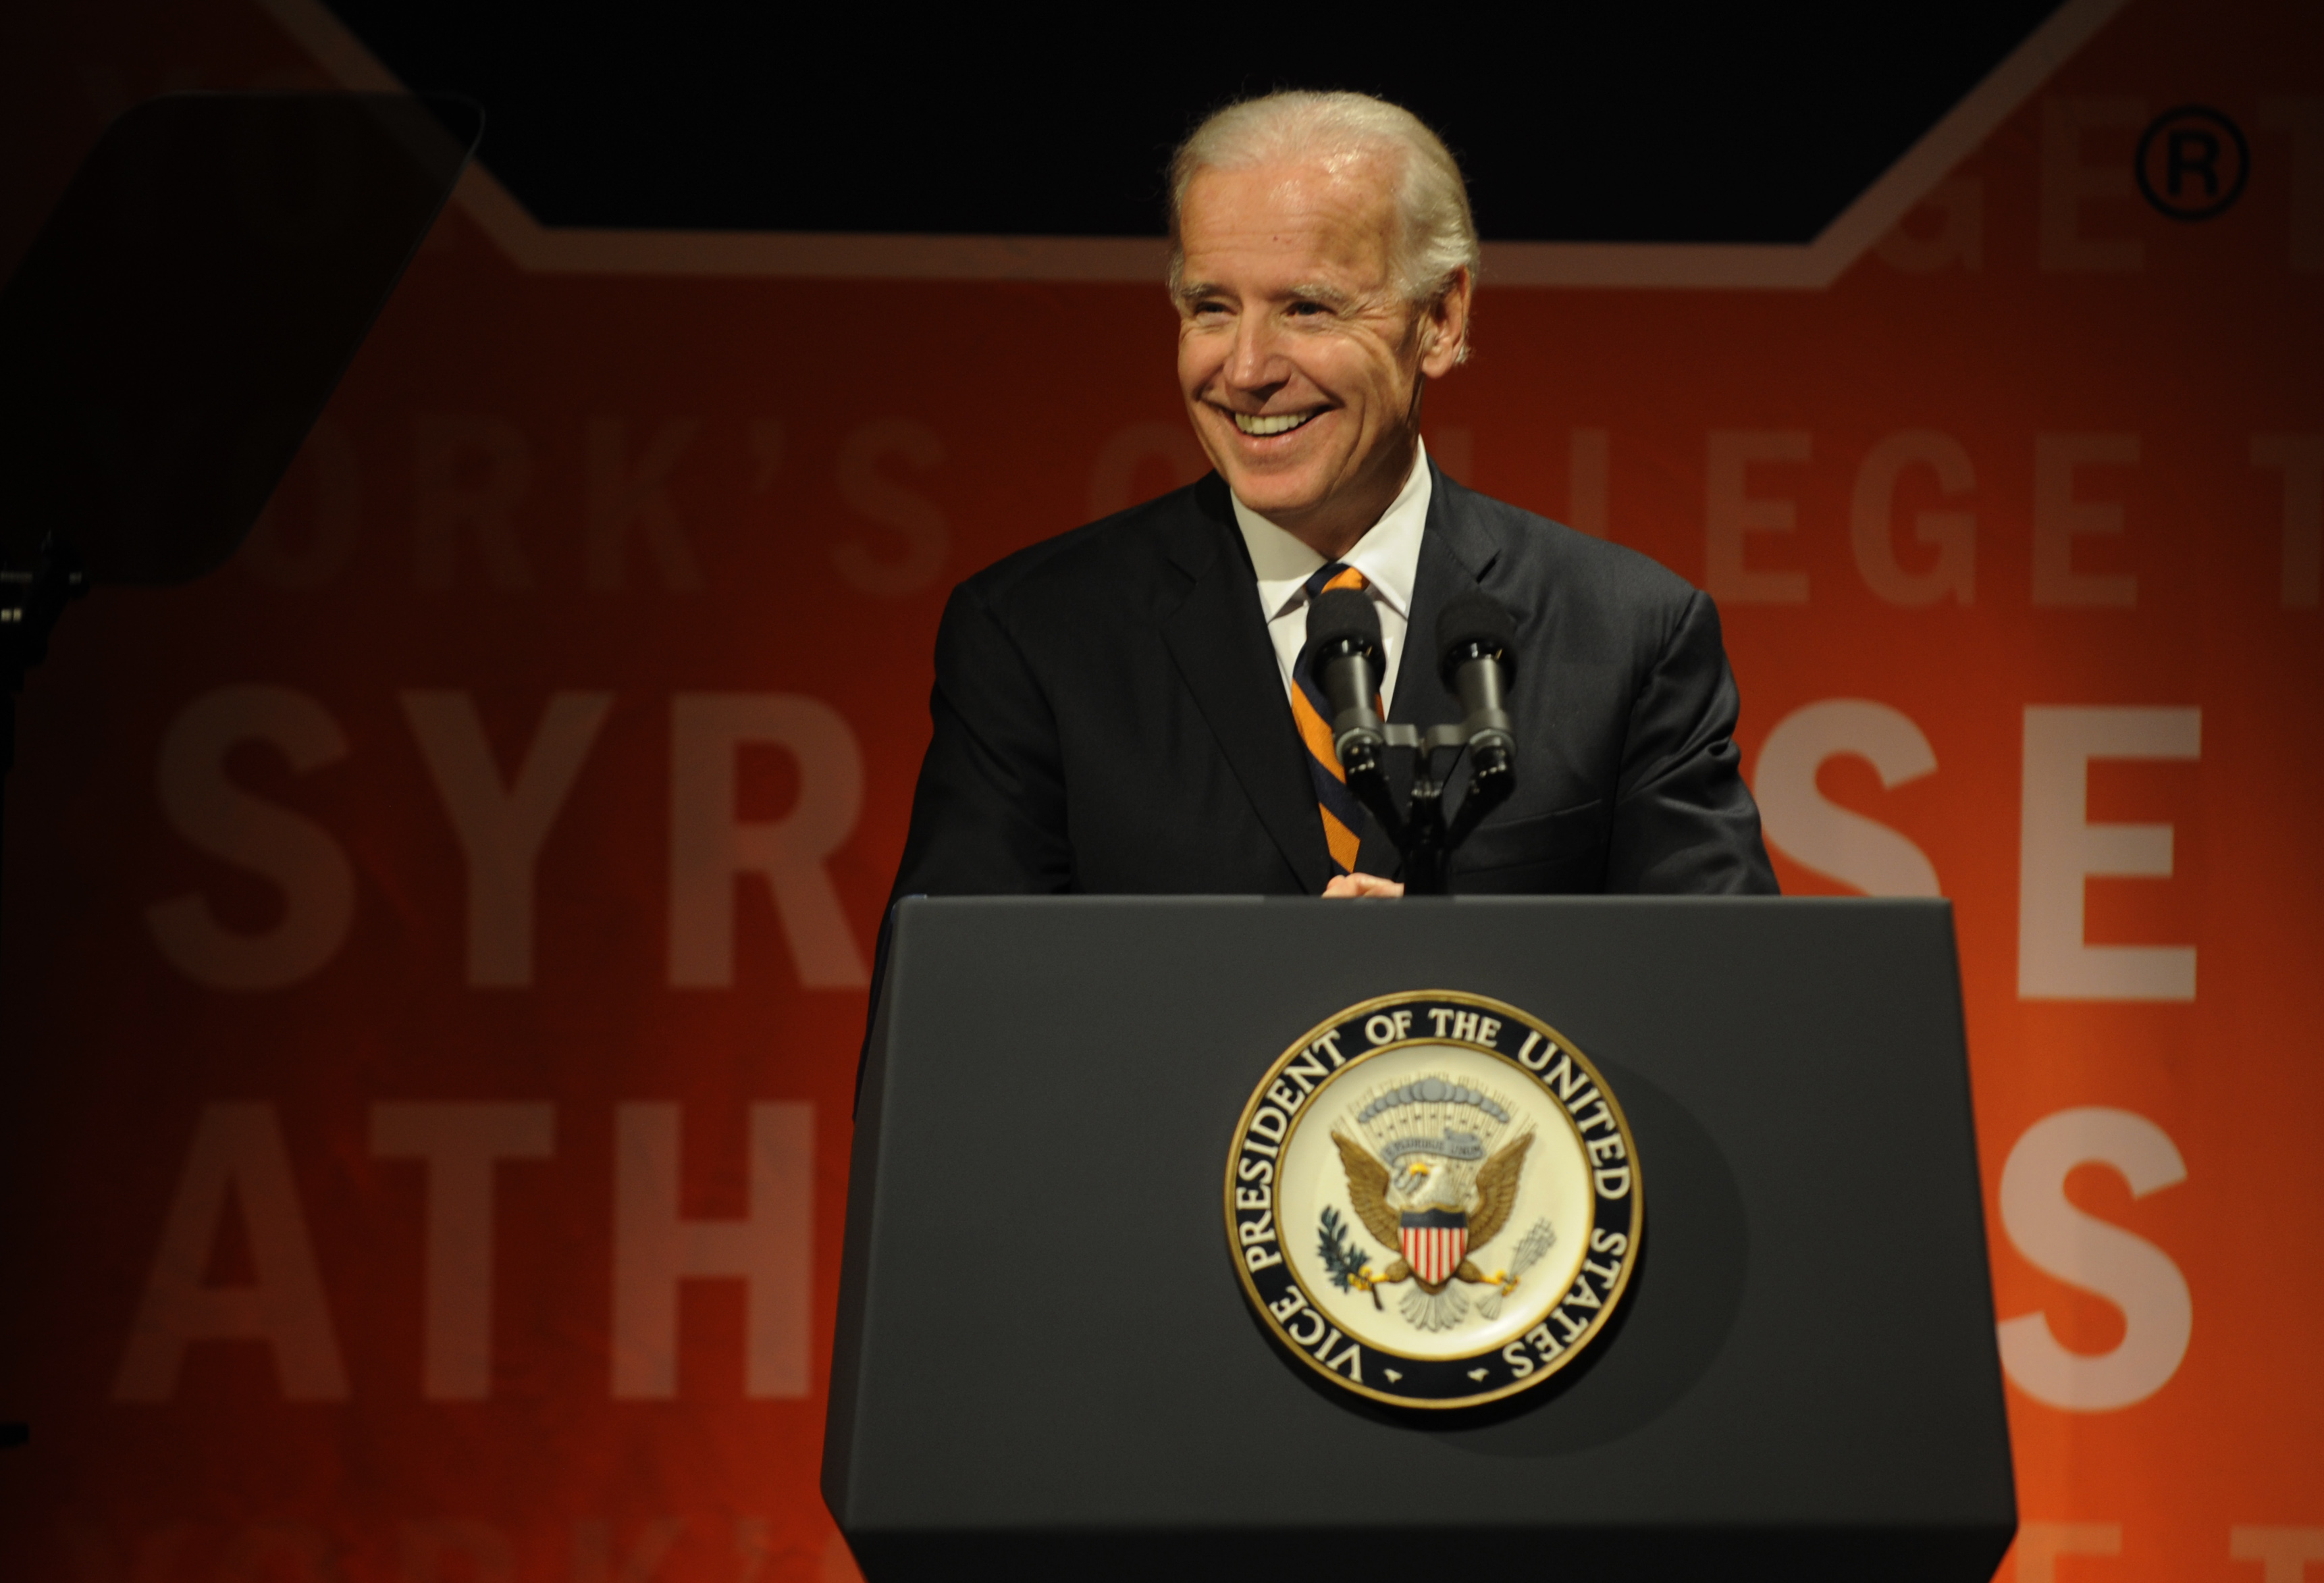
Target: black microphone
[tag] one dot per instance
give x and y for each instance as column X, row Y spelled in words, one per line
column 1344, row 660
column 1476, row 642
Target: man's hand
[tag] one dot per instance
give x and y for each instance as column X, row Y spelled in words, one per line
column 1363, row 884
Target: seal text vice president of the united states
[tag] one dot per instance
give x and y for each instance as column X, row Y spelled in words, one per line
column 1115, row 710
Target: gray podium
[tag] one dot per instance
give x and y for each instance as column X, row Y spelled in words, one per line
column 1045, row 1366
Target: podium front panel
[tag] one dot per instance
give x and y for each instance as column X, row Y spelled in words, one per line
column 1046, row 1364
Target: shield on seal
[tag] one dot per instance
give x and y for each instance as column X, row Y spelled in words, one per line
column 1435, row 1242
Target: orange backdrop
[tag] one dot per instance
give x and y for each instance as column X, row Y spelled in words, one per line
column 435, row 946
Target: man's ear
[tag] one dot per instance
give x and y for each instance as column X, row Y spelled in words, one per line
column 1445, row 328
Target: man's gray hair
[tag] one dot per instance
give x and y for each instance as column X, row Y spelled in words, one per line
column 1436, row 237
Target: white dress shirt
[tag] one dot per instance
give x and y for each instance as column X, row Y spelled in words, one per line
column 1388, row 555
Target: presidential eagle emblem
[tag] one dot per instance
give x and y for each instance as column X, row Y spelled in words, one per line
column 1450, row 1153
column 1434, row 1191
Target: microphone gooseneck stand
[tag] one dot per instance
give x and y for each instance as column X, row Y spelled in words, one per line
column 1474, row 643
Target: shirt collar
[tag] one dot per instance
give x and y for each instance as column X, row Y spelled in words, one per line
column 1389, row 554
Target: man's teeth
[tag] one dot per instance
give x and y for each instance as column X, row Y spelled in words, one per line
column 1284, row 424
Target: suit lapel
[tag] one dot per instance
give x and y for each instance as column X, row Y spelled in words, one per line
column 1220, row 642
column 1456, row 550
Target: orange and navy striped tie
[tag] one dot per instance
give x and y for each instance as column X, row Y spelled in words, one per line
column 1342, row 814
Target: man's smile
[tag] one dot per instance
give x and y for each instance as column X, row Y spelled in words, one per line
column 1282, row 423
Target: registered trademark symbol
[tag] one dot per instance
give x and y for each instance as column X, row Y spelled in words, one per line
column 2192, row 163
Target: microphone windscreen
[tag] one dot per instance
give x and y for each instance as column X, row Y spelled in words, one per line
column 1474, row 618
column 1339, row 613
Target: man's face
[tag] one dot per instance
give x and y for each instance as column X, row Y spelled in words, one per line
column 1301, row 363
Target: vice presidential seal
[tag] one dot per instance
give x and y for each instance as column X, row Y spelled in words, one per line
column 1434, row 1199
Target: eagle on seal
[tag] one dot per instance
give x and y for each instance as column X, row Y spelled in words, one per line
column 1435, row 1218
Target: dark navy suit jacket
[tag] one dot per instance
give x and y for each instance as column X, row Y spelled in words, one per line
column 1110, row 717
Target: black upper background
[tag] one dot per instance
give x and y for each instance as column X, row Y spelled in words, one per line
column 1643, row 123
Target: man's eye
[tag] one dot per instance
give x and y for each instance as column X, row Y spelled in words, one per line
column 1309, row 309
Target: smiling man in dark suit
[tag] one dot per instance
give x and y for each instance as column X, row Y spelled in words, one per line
column 1117, row 709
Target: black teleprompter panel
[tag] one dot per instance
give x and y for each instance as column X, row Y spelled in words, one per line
column 1044, row 1364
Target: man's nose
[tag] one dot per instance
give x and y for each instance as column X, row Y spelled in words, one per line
column 1255, row 364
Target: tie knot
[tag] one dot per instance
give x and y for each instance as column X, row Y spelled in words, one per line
column 1334, row 575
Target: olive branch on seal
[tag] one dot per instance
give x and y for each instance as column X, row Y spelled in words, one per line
column 1343, row 1257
